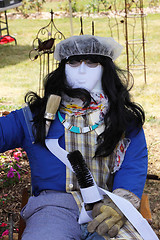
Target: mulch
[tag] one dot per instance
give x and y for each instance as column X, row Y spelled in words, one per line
column 13, row 204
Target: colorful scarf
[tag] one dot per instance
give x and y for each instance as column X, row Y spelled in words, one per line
column 74, row 106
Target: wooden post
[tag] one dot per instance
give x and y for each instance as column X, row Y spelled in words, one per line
column 70, row 11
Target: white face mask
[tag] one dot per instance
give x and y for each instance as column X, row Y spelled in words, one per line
column 85, row 77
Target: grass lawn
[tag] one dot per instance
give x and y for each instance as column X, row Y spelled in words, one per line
column 19, row 74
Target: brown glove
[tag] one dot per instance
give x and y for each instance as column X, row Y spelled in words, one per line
column 107, row 218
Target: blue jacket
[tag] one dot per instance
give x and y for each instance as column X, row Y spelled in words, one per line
column 48, row 172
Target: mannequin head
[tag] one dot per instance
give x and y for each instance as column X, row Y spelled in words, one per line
column 83, row 73
column 84, row 57
column 82, row 80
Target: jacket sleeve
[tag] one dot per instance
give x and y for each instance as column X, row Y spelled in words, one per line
column 11, row 131
column 132, row 174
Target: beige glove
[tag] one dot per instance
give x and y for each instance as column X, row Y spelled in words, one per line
column 107, row 218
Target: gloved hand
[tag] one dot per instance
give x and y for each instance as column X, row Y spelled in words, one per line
column 107, row 218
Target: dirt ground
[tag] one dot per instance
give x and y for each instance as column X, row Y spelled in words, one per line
column 152, row 187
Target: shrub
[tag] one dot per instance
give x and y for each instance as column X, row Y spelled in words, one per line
column 28, row 5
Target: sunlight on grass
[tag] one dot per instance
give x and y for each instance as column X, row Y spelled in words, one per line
column 20, row 74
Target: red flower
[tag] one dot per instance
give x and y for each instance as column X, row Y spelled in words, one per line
column 17, row 154
column 3, row 225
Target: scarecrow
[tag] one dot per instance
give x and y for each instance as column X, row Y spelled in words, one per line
column 84, row 140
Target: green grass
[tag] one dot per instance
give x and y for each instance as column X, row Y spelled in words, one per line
column 19, row 74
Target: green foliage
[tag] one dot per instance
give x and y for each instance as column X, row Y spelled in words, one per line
column 2, row 99
column 65, row 6
column 89, row 6
column 153, row 3
column 96, row 5
column 8, row 107
column 151, row 119
column 28, row 5
column 92, row 6
column 74, row 6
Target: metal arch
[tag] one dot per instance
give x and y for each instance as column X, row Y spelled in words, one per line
column 81, row 27
column 135, row 48
column 43, row 47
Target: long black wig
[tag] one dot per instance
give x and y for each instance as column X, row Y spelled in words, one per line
column 123, row 114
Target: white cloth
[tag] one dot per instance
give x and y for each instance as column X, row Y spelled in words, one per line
column 130, row 212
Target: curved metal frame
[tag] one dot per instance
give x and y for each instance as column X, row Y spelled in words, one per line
column 44, row 49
